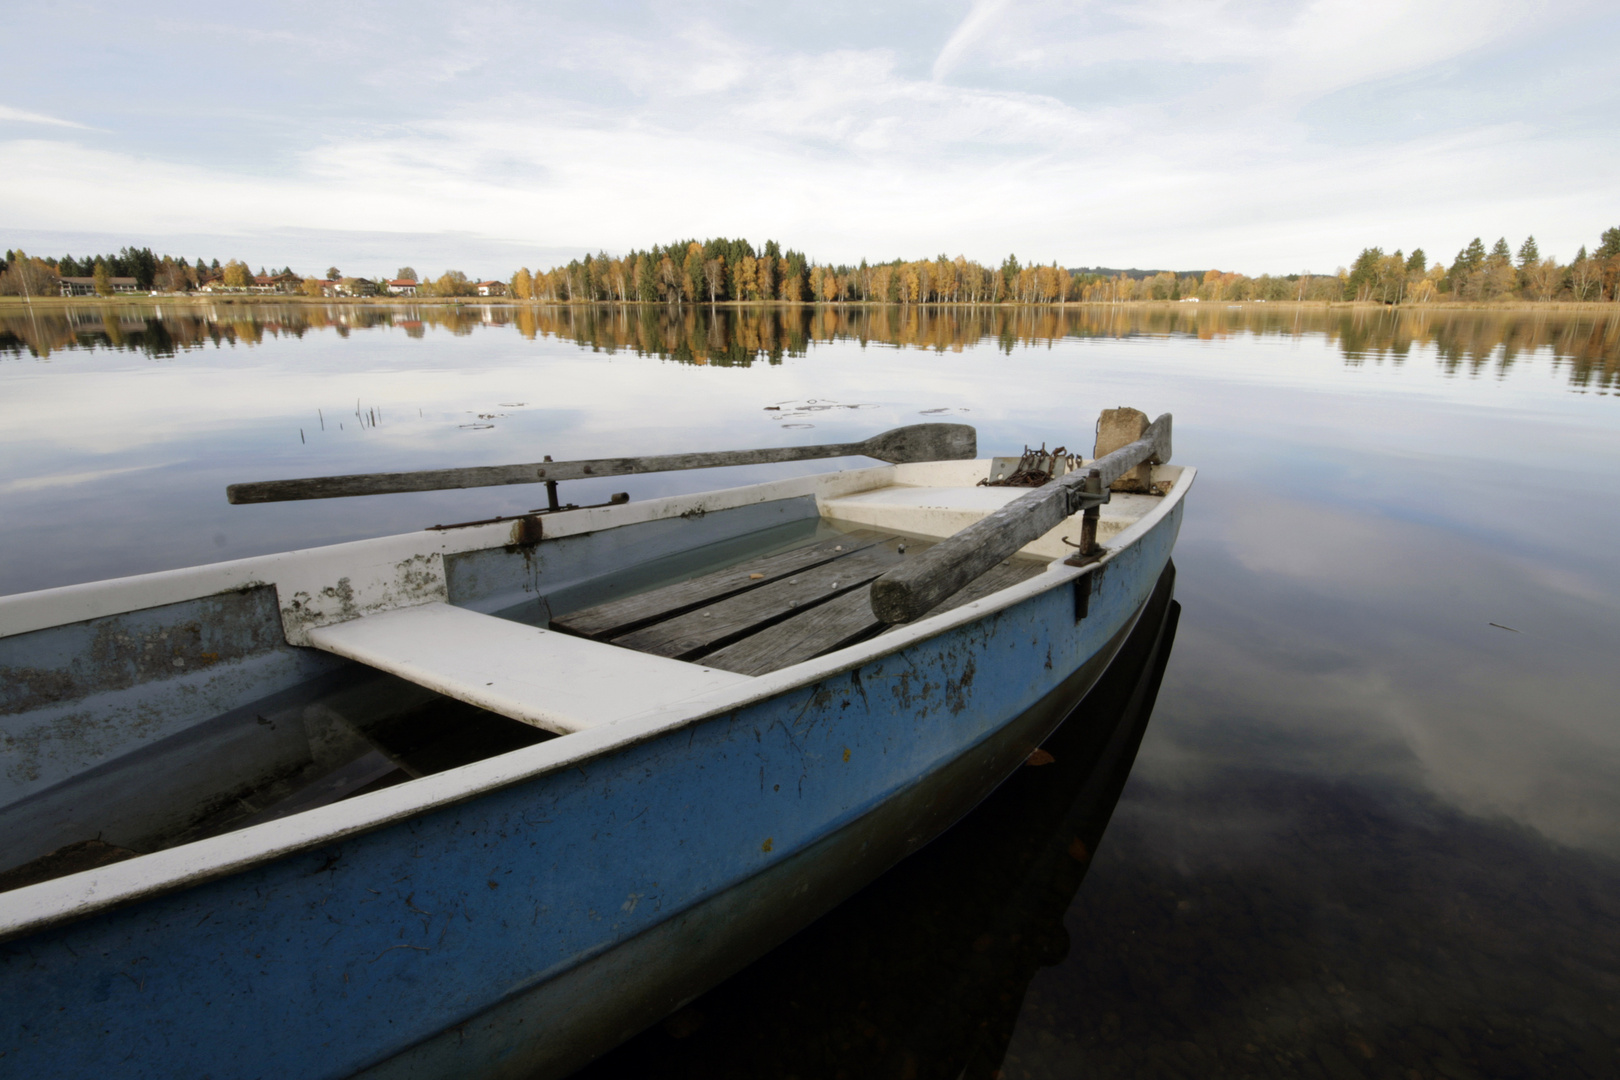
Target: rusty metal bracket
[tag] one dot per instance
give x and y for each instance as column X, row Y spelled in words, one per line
column 617, row 499
column 1088, row 499
column 483, row 521
column 1036, row 468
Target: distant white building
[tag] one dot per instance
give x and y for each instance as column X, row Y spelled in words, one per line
column 86, row 286
column 402, row 287
column 491, row 288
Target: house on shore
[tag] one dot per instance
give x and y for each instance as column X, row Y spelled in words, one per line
column 261, row 284
column 86, row 286
column 491, row 288
column 402, row 287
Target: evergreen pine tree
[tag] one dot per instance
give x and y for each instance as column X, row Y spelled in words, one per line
column 1609, row 244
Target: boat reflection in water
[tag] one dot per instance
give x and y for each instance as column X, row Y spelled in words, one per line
column 923, row 973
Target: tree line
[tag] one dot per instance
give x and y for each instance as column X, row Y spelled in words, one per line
column 1477, row 275
column 721, row 270
column 25, row 275
column 21, row 274
column 712, row 271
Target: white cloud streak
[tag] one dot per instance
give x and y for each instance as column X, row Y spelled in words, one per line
column 23, row 116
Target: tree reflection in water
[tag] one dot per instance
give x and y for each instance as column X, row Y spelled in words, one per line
column 1584, row 344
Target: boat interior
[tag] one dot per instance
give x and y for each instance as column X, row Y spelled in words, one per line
column 532, row 639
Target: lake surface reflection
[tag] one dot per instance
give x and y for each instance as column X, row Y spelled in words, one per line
column 1373, row 828
column 1584, row 345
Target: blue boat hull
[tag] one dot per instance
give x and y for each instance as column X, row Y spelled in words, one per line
column 523, row 931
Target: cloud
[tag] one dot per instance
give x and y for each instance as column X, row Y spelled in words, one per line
column 980, row 20
column 1180, row 132
column 22, row 116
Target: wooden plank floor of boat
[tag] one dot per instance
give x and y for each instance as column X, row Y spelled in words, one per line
column 772, row 612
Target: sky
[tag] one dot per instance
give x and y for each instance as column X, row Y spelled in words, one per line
column 1261, row 136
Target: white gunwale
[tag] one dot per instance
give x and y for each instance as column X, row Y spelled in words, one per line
column 74, row 896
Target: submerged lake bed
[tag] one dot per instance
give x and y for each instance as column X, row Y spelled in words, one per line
column 1373, row 828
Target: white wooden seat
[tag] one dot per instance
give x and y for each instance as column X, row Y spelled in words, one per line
column 939, row 512
column 541, row 677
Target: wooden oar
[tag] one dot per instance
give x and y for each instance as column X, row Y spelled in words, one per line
column 908, row 591
column 915, row 442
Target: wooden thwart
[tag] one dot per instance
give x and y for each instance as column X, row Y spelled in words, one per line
column 619, row 617
column 771, row 613
column 553, row 681
column 712, row 626
column 839, row 622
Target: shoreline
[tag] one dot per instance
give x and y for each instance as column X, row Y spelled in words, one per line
column 17, row 303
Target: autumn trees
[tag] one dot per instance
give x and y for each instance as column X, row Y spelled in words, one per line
column 28, row 277
column 708, row 272
column 693, row 271
column 1481, row 275
column 448, row 284
column 169, row 274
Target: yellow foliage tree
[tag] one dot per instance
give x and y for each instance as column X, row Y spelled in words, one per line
column 829, row 284
column 237, row 275
column 523, row 285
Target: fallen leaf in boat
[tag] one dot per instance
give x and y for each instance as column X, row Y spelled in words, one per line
column 1039, row 757
column 1077, row 850
column 755, row 577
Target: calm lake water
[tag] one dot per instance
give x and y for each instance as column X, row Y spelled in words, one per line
column 1373, row 827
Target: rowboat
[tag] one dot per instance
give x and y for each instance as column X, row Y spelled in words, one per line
column 486, row 799
column 929, row 969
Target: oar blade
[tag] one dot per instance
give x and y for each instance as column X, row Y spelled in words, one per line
column 924, row 442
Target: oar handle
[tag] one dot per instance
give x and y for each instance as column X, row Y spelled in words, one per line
column 912, row 589
column 915, row 442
